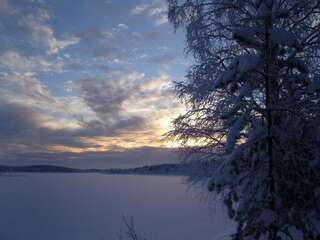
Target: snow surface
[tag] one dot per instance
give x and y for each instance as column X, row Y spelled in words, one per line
column 90, row 207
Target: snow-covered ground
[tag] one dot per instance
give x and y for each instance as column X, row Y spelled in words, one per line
column 61, row 206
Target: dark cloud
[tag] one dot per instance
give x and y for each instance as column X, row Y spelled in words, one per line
column 24, row 140
column 22, row 125
column 106, row 98
column 23, row 129
column 16, row 120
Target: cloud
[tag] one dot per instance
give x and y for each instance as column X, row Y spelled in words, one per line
column 150, row 98
column 42, row 34
column 16, row 119
column 3, row 4
column 104, row 44
column 123, row 26
column 27, row 89
column 60, row 101
column 15, row 62
column 163, row 60
column 148, row 36
column 103, row 97
column 120, row 108
column 25, row 136
column 139, row 9
column 30, row 92
column 126, row 103
column 123, row 110
column 23, row 127
column 113, row 45
column 156, row 10
column 27, row 24
column 159, row 14
column 106, row 98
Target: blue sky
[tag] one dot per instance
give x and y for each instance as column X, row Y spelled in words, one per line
column 81, row 77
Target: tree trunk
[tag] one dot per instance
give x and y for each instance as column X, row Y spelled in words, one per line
column 269, row 118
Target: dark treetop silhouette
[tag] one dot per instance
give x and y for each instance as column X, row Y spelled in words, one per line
column 253, row 107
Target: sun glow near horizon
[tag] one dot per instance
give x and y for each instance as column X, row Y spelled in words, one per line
column 153, row 136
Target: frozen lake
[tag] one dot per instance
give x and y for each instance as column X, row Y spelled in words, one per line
column 90, row 207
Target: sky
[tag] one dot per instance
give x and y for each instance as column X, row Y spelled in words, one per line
column 87, row 77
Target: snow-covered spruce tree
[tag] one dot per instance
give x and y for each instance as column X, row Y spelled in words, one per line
column 253, row 102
